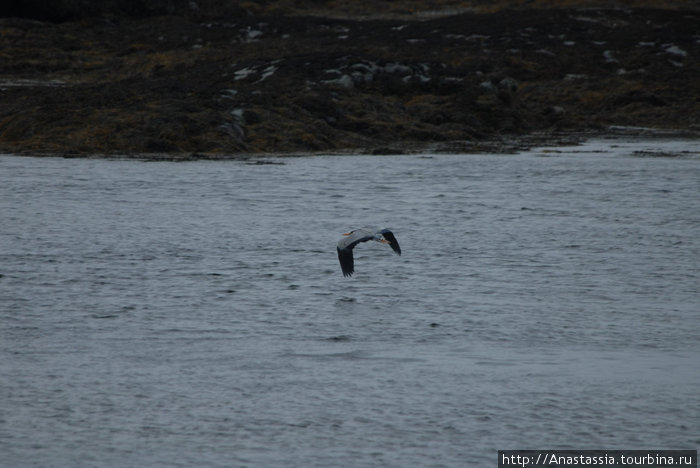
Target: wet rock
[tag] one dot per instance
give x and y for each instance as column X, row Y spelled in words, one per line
column 508, row 84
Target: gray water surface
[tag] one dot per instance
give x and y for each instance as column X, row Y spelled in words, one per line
column 194, row 314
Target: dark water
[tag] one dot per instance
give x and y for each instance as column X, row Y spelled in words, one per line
column 194, row 314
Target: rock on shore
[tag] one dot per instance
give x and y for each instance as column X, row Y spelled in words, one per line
column 277, row 78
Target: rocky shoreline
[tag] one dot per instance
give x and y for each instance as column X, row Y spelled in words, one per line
column 201, row 85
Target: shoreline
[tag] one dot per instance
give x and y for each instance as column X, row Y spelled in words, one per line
column 501, row 146
column 279, row 81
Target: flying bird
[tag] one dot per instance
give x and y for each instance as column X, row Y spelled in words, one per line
column 352, row 238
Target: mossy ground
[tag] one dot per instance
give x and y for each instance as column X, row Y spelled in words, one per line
column 283, row 76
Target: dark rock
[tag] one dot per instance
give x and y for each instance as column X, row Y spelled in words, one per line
column 387, row 151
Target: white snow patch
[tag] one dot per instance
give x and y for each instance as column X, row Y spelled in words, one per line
column 675, row 50
column 345, row 81
column 268, row 72
column 244, row 73
column 587, row 19
column 8, row 83
column 422, row 78
column 608, row 54
column 252, row 35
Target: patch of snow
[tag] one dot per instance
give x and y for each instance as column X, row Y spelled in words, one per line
column 608, row 54
column 268, row 72
column 243, row 73
column 31, row 83
column 252, row 35
column 675, row 50
column 237, row 113
column 587, row 19
column 349, row 75
column 369, row 66
column 422, row 78
column 345, row 81
column 364, row 71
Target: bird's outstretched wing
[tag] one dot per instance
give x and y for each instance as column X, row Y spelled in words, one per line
column 345, row 246
column 350, row 240
column 347, row 263
column 393, row 243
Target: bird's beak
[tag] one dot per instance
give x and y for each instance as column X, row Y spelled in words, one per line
column 384, row 241
column 347, row 233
